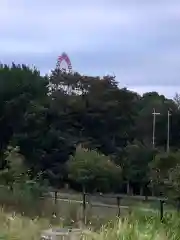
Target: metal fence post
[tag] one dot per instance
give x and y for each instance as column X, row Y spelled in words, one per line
column 161, row 210
column 55, row 196
column 84, row 207
column 119, row 206
column 178, row 205
column 55, row 205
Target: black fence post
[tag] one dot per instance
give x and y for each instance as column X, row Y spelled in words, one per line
column 119, row 206
column 178, row 205
column 55, row 196
column 161, row 210
column 84, row 207
column 55, row 207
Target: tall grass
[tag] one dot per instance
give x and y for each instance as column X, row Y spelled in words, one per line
column 24, row 216
column 138, row 227
column 22, row 200
column 135, row 227
column 18, row 227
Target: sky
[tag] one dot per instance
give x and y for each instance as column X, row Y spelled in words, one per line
column 138, row 41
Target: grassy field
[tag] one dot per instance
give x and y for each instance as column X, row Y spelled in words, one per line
column 18, row 227
column 141, row 228
column 135, row 227
column 69, row 206
column 24, row 218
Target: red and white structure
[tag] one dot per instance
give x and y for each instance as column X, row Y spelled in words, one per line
column 64, row 63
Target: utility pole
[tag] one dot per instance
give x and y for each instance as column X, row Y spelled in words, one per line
column 154, row 113
column 154, row 126
column 168, row 130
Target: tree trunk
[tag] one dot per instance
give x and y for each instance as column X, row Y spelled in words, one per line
column 152, row 189
column 141, row 191
column 128, row 188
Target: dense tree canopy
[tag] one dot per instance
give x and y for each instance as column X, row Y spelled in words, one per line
column 47, row 117
column 93, row 171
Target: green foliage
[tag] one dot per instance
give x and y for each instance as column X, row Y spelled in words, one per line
column 92, row 169
column 173, row 182
column 15, row 171
column 19, row 190
column 165, row 161
column 165, row 172
column 137, row 154
column 47, row 116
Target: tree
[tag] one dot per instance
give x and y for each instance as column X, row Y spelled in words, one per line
column 162, row 169
column 28, row 120
column 135, row 165
column 177, row 100
column 15, row 171
column 20, row 88
column 93, row 171
column 144, row 120
column 173, row 183
column 47, row 117
column 96, row 110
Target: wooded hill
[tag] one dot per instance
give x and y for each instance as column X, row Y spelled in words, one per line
column 103, row 130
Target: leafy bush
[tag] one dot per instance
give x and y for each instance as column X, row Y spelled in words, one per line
column 93, row 170
column 18, row 190
column 165, row 173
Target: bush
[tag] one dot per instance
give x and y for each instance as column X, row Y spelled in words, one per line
column 93, row 170
column 17, row 190
column 165, row 173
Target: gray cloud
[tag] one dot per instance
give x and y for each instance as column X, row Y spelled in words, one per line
column 137, row 40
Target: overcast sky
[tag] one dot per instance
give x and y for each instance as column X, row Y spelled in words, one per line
column 137, row 40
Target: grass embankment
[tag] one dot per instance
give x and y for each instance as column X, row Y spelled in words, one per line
column 135, row 227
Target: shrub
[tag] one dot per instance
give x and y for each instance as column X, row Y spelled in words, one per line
column 93, row 170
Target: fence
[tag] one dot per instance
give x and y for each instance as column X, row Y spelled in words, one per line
column 121, row 202
column 81, row 206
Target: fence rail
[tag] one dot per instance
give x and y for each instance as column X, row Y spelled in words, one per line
column 87, row 200
column 104, row 205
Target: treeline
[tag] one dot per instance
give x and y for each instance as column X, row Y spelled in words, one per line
column 86, row 132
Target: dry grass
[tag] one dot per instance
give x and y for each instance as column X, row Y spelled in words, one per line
column 139, row 227
column 14, row 226
column 26, row 225
column 135, row 227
